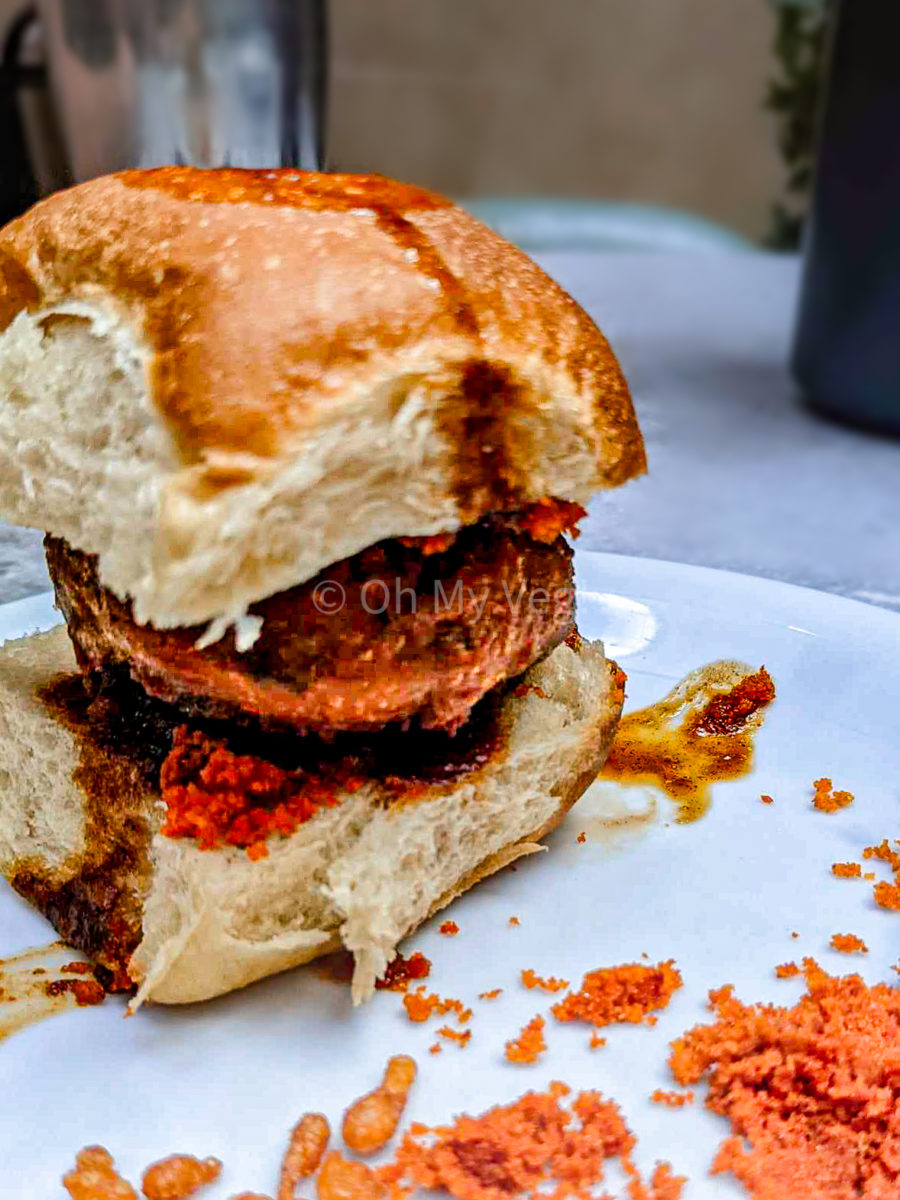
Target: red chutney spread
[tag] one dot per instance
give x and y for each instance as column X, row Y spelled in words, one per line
column 222, row 798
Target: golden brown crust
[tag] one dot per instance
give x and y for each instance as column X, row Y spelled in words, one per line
column 263, row 296
column 581, row 775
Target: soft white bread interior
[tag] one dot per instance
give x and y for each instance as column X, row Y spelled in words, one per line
column 363, row 874
column 221, row 382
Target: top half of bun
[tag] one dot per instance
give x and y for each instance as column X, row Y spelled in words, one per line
column 222, row 381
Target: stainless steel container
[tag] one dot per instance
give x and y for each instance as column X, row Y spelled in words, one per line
column 206, row 82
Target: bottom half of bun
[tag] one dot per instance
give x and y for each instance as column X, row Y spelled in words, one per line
column 184, row 924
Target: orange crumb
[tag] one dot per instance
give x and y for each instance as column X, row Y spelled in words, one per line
column 371, row 1121
column 94, row 1177
column 550, row 984
column 825, row 799
column 461, row 1037
column 436, row 1048
column 401, row 971
column 343, row 1179
column 787, row 970
column 869, row 876
column 613, row 994
column 179, row 1177
column 849, row 943
column 492, row 995
column 420, row 1006
column 846, row 870
column 596, row 1041
column 767, row 799
column 305, row 1151
column 810, row 1091
column 672, row 1099
column 514, row 921
column 449, row 929
column 530, row 1043
column 582, row 838
column 887, row 895
column 522, row 1149
column 795, row 934
column 884, row 853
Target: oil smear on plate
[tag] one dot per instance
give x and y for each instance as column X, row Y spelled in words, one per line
column 701, row 733
column 41, row 982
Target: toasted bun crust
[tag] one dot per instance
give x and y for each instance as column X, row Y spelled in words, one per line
column 191, row 924
column 260, row 373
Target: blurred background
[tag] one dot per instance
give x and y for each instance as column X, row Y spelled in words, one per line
column 691, row 105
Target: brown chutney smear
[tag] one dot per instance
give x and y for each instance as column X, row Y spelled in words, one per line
column 697, row 735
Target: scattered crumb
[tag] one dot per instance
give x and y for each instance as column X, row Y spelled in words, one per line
column 887, row 895
column 810, row 1091
column 767, row 799
column 626, row 993
column 846, row 870
column 73, row 968
column 436, row 1048
column 449, row 929
column 523, row 1148
column 550, row 984
column 401, row 971
column 869, row 876
column 596, row 1041
column 514, row 921
column 582, row 838
column 492, row 995
column 849, row 943
column 884, row 853
column 672, row 1099
column 827, row 800
column 795, row 935
column 461, row 1037
column 787, row 970
column 420, row 1006
column 530, row 1043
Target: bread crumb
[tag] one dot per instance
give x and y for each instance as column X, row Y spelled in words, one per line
column 449, row 929
column 582, row 838
column 827, row 800
column 849, row 943
column 787, row 970
column 887, row 895
column 550, row 984
column 492, row 995
column 884, row 853
column 522, row 1149
column 767, row 799
column 596, row 1041
column 461, row 1037
column 846, row 870
column 672, row 1099
column 514, row 921
column 825, row 1128
column 620, row 994
column 530, row 1043
column 420, row 1006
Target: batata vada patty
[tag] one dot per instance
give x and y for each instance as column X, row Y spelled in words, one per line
column 412, row 629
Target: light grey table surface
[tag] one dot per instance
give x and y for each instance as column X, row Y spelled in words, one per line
column 741, row 475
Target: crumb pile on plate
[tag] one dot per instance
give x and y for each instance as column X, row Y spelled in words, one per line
column 812, row 1092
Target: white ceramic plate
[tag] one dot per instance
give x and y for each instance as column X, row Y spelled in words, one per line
column 720, row 896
